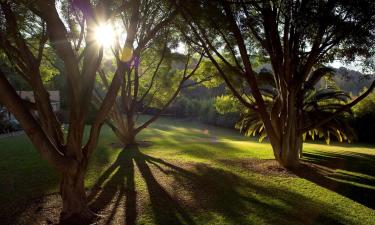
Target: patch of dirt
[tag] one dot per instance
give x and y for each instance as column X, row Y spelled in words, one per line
column 40, row 211
column 269, row 167
column 142, row 144
column 117, row 145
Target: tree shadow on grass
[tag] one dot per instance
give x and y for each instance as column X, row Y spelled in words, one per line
column 236, row 199
column 118, row 182
column 22, row 186
column 28, row 183
column 202, row 190
column 351, row 175
column 166, row 209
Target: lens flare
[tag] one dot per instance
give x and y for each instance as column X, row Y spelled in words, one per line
column 105, row 35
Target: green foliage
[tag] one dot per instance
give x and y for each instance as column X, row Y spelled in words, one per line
column 14, row 78
column 317, row 104
column 204, row 110
column 165, row 80
column 320, row 104
column 47, row 73
column 364, row 119
column 251, row 125
column 366, row 106
column 206, row 69
column 226, row 104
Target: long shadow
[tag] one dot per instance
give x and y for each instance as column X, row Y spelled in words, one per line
column 208, row 190
column 24, row 179
column 235, row 198
column 166, row 209
column 118, row 182
column 323, row 168
column 225, row 193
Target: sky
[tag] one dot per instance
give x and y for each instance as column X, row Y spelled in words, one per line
column 351, row 66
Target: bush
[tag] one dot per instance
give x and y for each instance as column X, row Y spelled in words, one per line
column 364, row 119
column 204, row 110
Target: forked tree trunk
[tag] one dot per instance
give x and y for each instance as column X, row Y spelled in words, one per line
column 290, row 149
column 130, row 132
column 288, row 120
column 125, row 134
column 75, row 206
column 130, row 137
column 126, row 137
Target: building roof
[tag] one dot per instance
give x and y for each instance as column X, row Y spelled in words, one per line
column 54, row 96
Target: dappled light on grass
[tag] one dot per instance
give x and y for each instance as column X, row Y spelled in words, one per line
column 23, row 176
column 178, row 192
column 349, row 174
column 183, row 177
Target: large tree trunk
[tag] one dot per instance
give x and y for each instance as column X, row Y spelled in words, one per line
column 75, row 208
column 130, row 133
column 291, row 145
column 125, row 134
column 130, row 137
column 287, row 118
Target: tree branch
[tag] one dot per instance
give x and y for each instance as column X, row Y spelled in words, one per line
column 104, row 109
column 14, row 104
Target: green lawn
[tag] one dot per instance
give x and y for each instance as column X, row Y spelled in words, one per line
column 199, row 174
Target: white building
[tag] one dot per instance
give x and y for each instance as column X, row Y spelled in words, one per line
column 54, row 97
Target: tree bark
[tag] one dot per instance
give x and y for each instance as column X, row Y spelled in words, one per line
column 288, row 120
column 290, row 149
column 124, row 130
column 130, row 137
column 130, row 133
column 75, row 206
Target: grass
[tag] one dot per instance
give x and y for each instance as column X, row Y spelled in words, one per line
column 198, row 174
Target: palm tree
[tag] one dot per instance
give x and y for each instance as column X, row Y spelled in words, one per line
column 316, row 103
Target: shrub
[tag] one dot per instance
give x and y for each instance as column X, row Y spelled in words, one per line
column 364, row 119
column 205, row 111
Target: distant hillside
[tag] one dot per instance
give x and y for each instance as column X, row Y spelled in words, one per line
column 352, row 81
column 348, row 80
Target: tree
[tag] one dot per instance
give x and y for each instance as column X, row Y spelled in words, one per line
column 318, row 103
column 364, row 119
column 297, row 37
column 26, row 31
column 154, row 79
column 156, row 89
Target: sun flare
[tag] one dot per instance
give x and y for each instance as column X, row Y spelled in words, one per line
column 105, row 35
